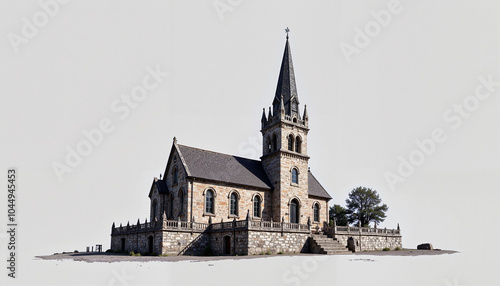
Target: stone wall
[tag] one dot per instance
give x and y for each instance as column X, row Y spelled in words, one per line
column 221, row 202
column 164, row 242
column 244, row 237
column 187, row 243
column 274, row 242
column 137, row 242
column 238, row 242
column 369, row 242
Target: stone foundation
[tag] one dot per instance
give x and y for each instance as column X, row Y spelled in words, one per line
column 244, row 237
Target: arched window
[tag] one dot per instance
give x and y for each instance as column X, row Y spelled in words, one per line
column 154, row 211
column 298, row 143
column 256, row 206
column 290, row 142
column 275, row 143
column 171, row 206
column 316, row 212
column 294, row 211
column 175, row 175
column 209, row 202
column 181, row 202
column 233, row 204
column 295, row 176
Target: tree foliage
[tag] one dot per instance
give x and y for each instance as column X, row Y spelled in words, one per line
column 339, row 213
column 364, row 206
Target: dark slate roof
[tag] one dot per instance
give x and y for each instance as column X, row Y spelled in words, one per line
column 224, row 168
column 316, row 189
column 161, row 185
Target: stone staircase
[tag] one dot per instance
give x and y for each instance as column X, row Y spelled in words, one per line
column 322, row 244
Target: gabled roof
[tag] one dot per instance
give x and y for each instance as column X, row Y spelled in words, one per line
column 161, row 185
column 316, row 189
column 220, row 167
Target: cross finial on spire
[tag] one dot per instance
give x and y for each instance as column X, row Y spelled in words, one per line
column 287, row 31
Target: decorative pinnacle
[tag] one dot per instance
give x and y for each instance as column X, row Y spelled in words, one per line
column 287, row 31
column 175, row 140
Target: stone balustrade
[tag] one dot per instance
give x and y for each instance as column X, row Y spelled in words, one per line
column 172, row 225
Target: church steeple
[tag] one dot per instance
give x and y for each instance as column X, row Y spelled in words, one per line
column 284, row 152
column 286, row 85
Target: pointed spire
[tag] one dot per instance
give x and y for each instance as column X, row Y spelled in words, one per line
column 270, row 114
column 398, row 226
column 113, row 226
column 286, row 83
column 264, row 119
column 306, row 116
column 175, row 140
column 164, row 216
column 138, row 222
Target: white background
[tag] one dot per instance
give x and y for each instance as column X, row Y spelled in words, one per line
column 223, row 67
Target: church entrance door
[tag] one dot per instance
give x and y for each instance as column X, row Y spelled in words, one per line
column 122, row 246
column 226, row 241
column 150, row 245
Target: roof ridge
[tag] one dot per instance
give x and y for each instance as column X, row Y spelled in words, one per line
column 220, row 153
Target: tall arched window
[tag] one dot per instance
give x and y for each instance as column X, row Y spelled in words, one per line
column 275, row 142
column 295, row 176
column 268, row 145
column 154, row 211
column 290, row 142
column 209, row 202
column 256, row 206
column 171, row 206
column 298, row 142
column 181, row 201
column 316, row 212
column 233, row 204
column 294, row 211
column 175, row 175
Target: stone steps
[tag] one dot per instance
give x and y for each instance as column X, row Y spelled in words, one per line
column 322, row 244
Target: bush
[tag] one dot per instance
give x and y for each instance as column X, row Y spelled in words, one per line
column 397, row 248
column 134, row 254
column 280, row 252
column 386, row 249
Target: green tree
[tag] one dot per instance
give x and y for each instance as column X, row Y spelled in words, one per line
column 339, row 213
column 364, row 206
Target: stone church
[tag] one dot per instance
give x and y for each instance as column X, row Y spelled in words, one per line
column 213, row 203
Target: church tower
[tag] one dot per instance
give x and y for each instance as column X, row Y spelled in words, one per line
column 284, row 154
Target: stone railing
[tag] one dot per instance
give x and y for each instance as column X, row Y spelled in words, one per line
column 172, row 225
column 335, row 229
column 160, row 225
